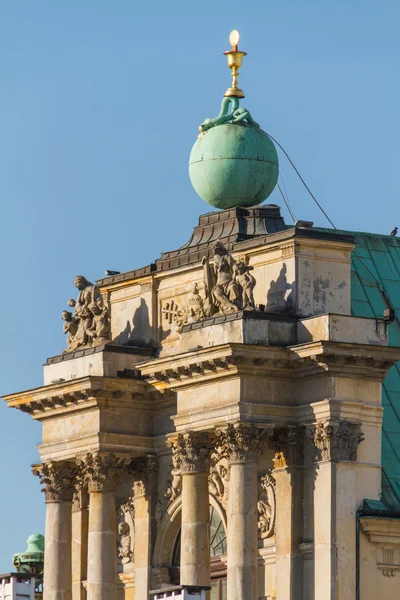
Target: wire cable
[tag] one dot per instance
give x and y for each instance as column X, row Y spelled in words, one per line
column 285, row 201
column 378, row 283
column 300, row 177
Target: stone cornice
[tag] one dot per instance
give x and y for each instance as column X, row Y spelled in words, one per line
column 381, row 530
column 79, row 394
column 218, row 362
column 340, row 358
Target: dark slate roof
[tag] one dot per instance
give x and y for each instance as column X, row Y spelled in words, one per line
column 379, row 256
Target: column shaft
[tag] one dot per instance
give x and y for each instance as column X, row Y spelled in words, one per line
column 143, row 530
column 80, row 523
column 102, row 546
column 242, row 535
column 335, row 531
column 57, row 583
column 195, row 532
column 289, row 526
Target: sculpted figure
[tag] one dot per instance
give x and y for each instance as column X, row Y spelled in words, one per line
column 125, row 541
column 90, row 323
column 247, row 283
column 236, row 115
column 100, row 327
column 70, row 327
column 226, row 291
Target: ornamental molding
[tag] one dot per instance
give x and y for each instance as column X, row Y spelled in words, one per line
column 58, row 479
column 100, row 472
column 288, row 444
column 239, row 443
column 336, row 440
column 384, row 533
column 191, row 451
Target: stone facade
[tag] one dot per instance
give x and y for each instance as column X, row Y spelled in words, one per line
column 226, row 433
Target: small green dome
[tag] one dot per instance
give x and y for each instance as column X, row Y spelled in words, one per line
column 233, row 164
column 33, row 557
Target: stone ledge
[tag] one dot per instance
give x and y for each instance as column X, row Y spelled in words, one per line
column 108, row 347
column 245, row 315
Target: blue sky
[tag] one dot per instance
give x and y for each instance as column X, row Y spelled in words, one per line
column 99, row 108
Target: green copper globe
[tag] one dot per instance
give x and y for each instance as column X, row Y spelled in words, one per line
column 233, row 164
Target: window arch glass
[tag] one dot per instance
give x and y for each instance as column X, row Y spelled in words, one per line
column 217, row 538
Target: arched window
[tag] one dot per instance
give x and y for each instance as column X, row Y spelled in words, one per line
column 217, row 550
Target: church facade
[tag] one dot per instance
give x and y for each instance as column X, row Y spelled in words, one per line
column 216, row 420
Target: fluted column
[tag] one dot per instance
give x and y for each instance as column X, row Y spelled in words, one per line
column 58, row 480
column 240, row 444
column 288, row 444
column 192, row 451
column 100, row 473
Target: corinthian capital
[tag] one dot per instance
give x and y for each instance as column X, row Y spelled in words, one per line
column 337, row 440
column 191, row 451
column 100, row 472
column 288, row 444
column 239, row 443
column 145, row 471
column 58, row 480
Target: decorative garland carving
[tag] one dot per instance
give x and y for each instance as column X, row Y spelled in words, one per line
column 266, row 506
column 58, row 480
column 174, row 486
column 125, row 531
column 218, row 481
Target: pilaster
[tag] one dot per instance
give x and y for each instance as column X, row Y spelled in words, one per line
column 288, row 444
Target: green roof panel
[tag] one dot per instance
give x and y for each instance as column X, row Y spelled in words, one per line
column 378, row 256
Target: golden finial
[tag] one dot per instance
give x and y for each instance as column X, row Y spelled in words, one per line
column 235, row 57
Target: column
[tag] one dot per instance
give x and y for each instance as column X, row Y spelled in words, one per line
column 100, row 472
column 58, row 479
column 192, row 450
column 288, row 444
column 335, row 504
column 240, row 444
column 145, row 489
column 80, row 523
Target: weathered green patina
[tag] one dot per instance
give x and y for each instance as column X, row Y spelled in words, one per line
column 32, row 560
column 233, row 162
column 236, row 115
